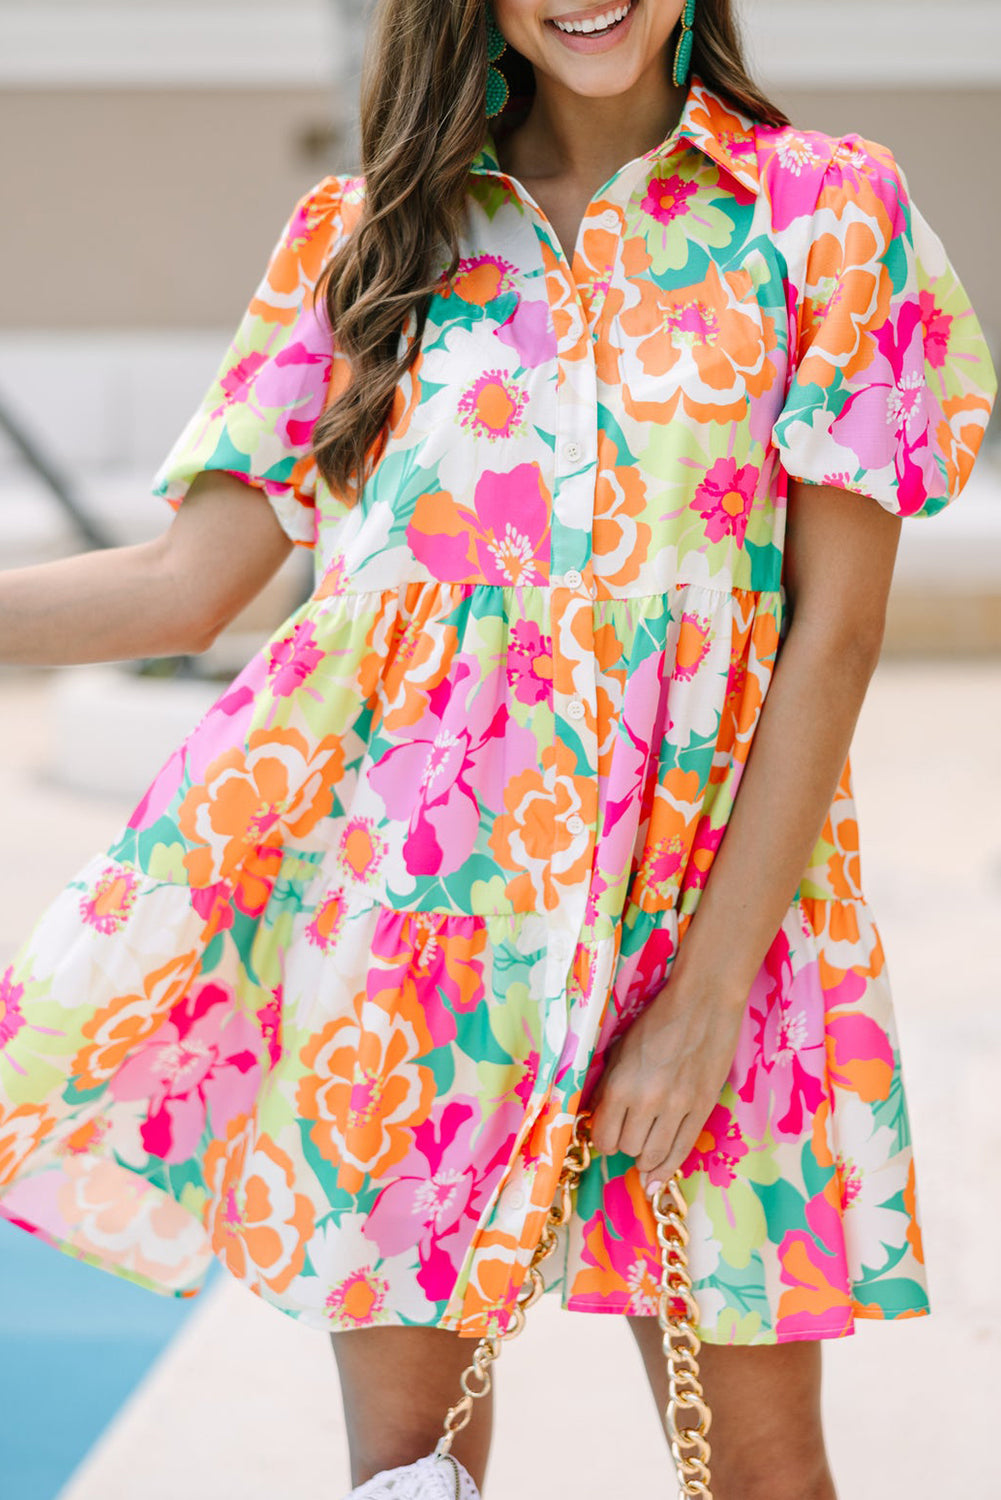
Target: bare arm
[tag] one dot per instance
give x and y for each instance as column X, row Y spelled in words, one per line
column 165, row 597
column 665, row 1074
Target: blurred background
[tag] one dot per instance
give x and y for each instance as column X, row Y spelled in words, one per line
column 153, row 149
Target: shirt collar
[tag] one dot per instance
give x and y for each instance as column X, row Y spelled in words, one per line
column 707, row 122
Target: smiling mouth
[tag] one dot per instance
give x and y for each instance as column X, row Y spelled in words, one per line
column 600, row 24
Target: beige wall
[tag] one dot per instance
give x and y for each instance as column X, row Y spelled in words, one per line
column 147, row 208
column 130, row 209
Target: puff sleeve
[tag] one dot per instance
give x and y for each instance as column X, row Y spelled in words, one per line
column 257, row 416
column 891, row 382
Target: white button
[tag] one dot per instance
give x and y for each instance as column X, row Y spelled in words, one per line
column 609, row 219
column 575, row 709
column 575, row 824
column 572, row 451
column 572, row 578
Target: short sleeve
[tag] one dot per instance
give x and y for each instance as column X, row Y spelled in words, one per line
column 891, row 382
column 256, row 419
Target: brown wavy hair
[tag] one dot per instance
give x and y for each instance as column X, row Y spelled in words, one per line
column 423, row 120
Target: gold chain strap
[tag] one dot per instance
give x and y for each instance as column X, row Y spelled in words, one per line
column 681, row 1342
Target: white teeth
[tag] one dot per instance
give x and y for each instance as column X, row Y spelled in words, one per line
column 595, row 23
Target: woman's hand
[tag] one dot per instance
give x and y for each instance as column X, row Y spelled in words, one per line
column 662, row 1079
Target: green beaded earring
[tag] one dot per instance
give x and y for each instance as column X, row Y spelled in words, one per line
column 497, row 90
column 683, row 56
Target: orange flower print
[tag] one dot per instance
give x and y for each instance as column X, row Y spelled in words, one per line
column 365, row 1087
column 495, row 1278
column 419, row 657
column 21, row 1131
column 571, row 331
column 117, row 1028
column 251, row 802
column 531, row 836
column 714, row 325
column 848, row 291
column 478, row 279
column 694, row 642
column 621, row 540
column 86, row 1139
column 113, row 896
column 492, row 406
column 302, row 254
column 594, row 260
column 258, row 1223
column 361, row 850
column 913, row 1227
column 670, row 834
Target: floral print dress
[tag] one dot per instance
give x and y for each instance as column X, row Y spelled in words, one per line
column 326, row 1006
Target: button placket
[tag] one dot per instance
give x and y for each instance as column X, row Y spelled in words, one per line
column 572, row 624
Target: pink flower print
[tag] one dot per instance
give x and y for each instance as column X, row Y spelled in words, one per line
column 668, row 197
column 937, row 330
column 438, row 1191
column 692, row 325
column 328, row 919
column 434, row 960
column 718, row 1148
column 492, row 405
column 361, row 850
column 780, row 1064
column 293, row 658
column 201, row 1065
column 11, row 1014
column 225, row 724
column 703, row 852
column 238, row 380
column 620, row 1258
column 839, row 481
column 657, row 872
column 335, row 578
column 525, row 1087
column 214, row 904
column 894, row 416
column 108, row 904
column 293, row 384
column 529, row 331
column 803, row 167
column 270, row 1020
column 725, row 497
column 504, row 539
column 13, row 1022
column 452, row 769
column 530, row 663
column 815, row 1275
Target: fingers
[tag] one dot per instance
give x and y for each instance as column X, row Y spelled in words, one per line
column 664, row 1165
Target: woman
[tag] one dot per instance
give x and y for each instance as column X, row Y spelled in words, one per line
column 445, row 864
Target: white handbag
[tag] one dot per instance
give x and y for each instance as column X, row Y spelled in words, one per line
column 440, row 1476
